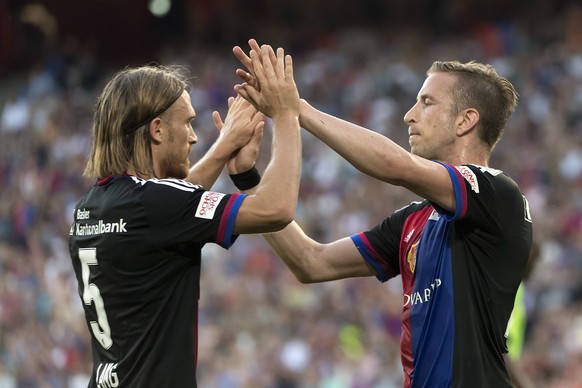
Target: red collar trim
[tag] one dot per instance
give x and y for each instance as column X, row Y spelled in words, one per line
column 107, row 179
column 104, row 181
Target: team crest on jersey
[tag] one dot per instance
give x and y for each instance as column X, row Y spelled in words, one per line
column 434, row 215
column 208, row 204
column 411, row 256
column 469, row 176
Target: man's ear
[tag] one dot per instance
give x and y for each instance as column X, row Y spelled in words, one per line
column 467, row 121
column 156, row 130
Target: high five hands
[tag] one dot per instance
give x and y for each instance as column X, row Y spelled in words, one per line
column 269, row 85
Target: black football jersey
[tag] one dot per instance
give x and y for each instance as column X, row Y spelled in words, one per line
column 460, row 272
column 135, row 246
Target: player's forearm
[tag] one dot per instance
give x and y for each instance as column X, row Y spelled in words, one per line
column 206, row 171
column 293, row 247
column 279, row 186
column 271, row 205
column 368, row 151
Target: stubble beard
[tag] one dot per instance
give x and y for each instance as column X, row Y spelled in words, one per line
column 176, row 166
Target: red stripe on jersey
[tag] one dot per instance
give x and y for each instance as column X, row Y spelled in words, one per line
column 224, row 219
column 411, row 232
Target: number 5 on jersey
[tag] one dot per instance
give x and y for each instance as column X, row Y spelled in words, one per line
column 91, row 294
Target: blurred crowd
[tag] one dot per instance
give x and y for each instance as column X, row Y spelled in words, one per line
column 259, row 327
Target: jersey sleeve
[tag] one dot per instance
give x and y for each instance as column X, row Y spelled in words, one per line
column 379, row 246
column 485, row 197
column 186, row 214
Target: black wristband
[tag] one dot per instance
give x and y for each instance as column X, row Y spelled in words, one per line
column 246, row 180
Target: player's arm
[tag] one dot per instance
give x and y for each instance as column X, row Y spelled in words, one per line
column 368, row 151
column 380, row 157
column 241, row 125
column 271, row 206
column 312, row 262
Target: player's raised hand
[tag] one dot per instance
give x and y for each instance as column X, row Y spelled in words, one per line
column 246, row 157
column 242, row 123
column 274, row 73
column 248, row 74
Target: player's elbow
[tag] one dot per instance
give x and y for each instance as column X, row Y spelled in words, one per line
column 279, row 218
column 304, row 268
column 305, row 278
column 286, row 217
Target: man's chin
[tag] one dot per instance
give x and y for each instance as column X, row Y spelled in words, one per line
column 184, row 171
column 417, row 152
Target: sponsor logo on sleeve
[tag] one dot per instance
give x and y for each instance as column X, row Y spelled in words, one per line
column 469, row 176
column 208, row 204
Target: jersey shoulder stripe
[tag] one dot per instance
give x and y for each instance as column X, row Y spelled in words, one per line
column 171, row 182
column 225, row 237
column 460, row 190
column 373, row 257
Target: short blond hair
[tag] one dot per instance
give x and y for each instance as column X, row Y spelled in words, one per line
column 129, row 102
column 479, row 86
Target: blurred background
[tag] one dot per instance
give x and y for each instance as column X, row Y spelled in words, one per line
column 361, row 60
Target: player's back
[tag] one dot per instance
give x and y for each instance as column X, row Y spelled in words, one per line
column 138, row 284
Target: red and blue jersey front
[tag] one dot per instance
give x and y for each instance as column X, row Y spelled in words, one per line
column 460, row 272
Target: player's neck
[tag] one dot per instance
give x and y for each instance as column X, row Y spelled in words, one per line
column 132, row 172
column 469, row 155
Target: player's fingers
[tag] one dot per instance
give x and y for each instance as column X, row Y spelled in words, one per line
column 243, row 75
column 244, row 59
column 217, row 120
column 267, row 64
column 249, row 93
column 260, row 71
column 254, row 45
column 252, row 93
column 258, row 133
column 241, row 91
column 272, row 56
column 289, row 68
column 257, row 118
column 246, row 109
column 280, row 62
column 248, row 78
column 234, row 105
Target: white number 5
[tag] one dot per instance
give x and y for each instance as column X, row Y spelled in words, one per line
column 91, row 294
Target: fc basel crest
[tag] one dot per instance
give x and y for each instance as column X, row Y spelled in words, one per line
column 411, row 257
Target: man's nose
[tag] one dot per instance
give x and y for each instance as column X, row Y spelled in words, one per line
column 408, row 117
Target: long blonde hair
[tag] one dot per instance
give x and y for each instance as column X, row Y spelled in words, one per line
column 129, row 102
